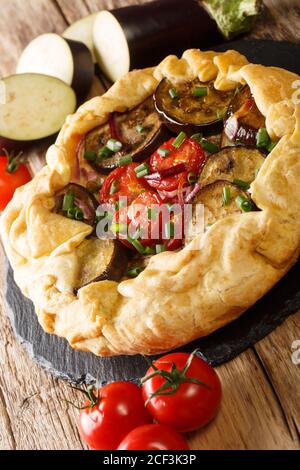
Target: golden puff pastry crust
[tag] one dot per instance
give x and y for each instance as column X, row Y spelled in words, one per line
column 180, row 296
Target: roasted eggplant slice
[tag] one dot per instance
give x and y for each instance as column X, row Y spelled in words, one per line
column 191, row 106
column 243, row 118
column 232, row 164
column 140, row 132
column 219, row 200
column 100, row 260
column 76, row 202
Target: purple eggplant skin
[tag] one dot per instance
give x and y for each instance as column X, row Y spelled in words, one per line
column 140, row 145
column 114, row 269
column 81, row 194
column 84, row 69
column 246, row 127
column 190, row 113
column 157, row 29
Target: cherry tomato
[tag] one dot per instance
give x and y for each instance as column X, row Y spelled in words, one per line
column 190, row 153
column 118, row 409
column 153, row 437
column 9, row 182
column 122, row 182
column 192, row 405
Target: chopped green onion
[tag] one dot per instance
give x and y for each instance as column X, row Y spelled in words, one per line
column 141, row 167
column 271, row 146
column 142, row 170
column 78, row 214
column 160, row 249
column 226, row 196
column 173, row 93
column 68, row 201
column 246, row 205
column 163, row 152
column 134, row 272
column 149, row 251
column 262, row 139
column 200, row 91
column 241, row 184
column 113, row 188
column 125, row 160
column 136, row 235
column 140, row 129
column 221, row 113
column 137, row 245
column 122, row 203
column 192, row 178
column 71, row 213
column 198, row 137
column 90, row 156
column 119, row 228
column 152, row 214
column 114, row 145
column 169, row 230
column 105, row 153
column 142, row 174
column 238, row 89
column 179, row 140
column 257, row 171
column 209, row 146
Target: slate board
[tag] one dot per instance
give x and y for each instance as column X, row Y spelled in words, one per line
column 55, row 355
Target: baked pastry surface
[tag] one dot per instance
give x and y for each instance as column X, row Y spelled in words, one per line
column 183, row 295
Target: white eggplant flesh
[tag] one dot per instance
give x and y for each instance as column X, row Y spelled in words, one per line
column 70, row 61
column 33, row 107
column 111, row 46
column 82, row 31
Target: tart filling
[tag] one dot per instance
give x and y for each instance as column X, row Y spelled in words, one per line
column 144, row 175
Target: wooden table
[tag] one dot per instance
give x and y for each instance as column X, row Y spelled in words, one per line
column 260, row 409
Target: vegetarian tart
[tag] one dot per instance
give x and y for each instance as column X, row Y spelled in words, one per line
column 207, row 129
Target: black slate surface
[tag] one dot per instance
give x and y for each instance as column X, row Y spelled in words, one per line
column 55, row 355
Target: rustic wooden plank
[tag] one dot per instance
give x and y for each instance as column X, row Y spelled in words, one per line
column 33, row 414
column 275, row 353
column 250, row 417
column 29, row 415
column 72, row 10
column 96, row 5
column 279, row 21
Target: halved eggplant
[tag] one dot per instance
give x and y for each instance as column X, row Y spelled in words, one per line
column 76, row 202
column 232, row 163
column 139, row 36
column 100, row 260
column 70, row 61
column 243, row 118
column 33, row 107
column 217, row 207
column 82, row 31
column 139, row 130
column 192, row 106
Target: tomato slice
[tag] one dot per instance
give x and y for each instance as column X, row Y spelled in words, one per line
column 142, row 219
column 122, row 182
column 190, row 153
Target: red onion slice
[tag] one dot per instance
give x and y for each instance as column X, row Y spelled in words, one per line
column 114, row 129
column 168, row 173
column 193, row 193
